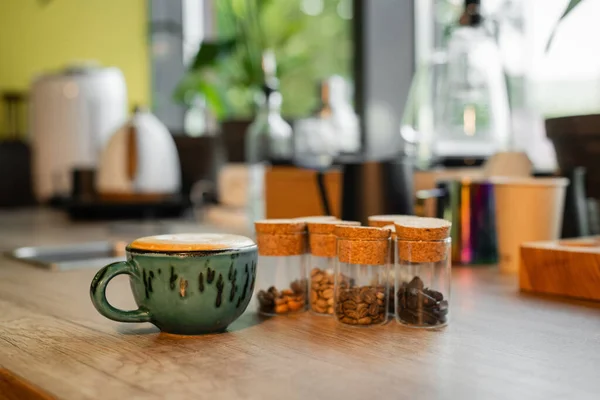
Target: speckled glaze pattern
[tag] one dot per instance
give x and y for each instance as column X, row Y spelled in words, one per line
column 183, row 293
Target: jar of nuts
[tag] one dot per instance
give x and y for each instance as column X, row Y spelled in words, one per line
column 422, row 272
column 322, row 259
column 281, row 273
column 361, row 275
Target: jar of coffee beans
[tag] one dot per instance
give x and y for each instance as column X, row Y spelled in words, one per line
column 361, row 275
column 422, row 272
column 281, row 273
column 322, row 259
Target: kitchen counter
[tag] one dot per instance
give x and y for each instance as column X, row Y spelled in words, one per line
column 500, row 343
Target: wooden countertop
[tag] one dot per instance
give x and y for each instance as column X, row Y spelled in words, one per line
column 500, row 344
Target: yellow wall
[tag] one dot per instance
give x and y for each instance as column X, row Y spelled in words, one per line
column 40, row 35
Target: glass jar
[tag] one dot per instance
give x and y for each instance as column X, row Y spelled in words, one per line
column 392, row 273
column 387, row 222
column 322, row 259
column 361, row 275
column 423, row 272
column 281, row 273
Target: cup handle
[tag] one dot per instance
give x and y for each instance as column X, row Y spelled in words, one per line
column 98, row 294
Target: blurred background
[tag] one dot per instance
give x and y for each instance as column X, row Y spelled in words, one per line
column 228, row 111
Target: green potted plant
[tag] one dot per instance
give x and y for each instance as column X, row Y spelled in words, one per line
column 226, row 72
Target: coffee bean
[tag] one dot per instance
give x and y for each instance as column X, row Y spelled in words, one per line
column 373, row 309
column 320, row 310
column 298, row 287
column 281, row 309
column 369, row 297
column 280, row 301
column 295, row 305
column 435, row 294
column 417, row 305
column 416, row 283
column 314, row 296
column 321, row 285
column 343, row 296
column 362, row 312
column 322, row 303
column 361, row 305
column 274, row 301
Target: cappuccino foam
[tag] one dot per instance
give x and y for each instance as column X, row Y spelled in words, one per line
column 191, row 242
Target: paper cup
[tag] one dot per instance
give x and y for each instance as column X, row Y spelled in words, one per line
column 527, row 210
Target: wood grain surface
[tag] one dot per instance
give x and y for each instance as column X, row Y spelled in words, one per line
column 13, row 387
column 565, row 268
column 500, row 343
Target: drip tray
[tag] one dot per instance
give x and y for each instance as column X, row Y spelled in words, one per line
column 71, row 256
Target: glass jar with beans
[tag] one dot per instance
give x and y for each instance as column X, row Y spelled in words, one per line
column 361, row 275
column 281, row 273
column 322, row 259
column 423, row 272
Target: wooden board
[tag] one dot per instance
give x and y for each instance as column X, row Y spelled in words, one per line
column 566, row 268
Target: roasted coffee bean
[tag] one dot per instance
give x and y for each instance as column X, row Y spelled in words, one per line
column 274, row 301
column 373, row 309
column 416, row 283
column 362, row 312
column 327, row 293
column 343, row 296
column 361, row 305
column 298, row 287
column 369, row 297
column 321, row 285
column 417, row 305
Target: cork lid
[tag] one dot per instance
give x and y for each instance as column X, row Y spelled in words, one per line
column 423, row 229
column 322, row 240
column 280, row 237
column 316, row 218
column 383, row 220
column 191, row 242
column 328, row 227
column 280, row 226
column 362, row 245
column 361, row 232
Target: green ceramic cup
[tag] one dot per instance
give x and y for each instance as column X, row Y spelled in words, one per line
column 184, row 284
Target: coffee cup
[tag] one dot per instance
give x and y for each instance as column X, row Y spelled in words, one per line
column 527, row 210
column 184, row 284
